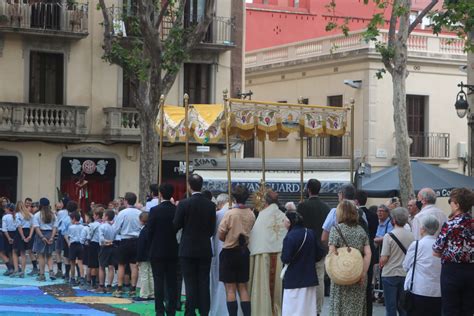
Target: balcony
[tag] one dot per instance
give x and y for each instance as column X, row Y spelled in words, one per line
column 430, row 145
column 329, row 147
column 122, row 124
column 445, row 47
column 218, row 37
column 42, row 121
column 55, row 19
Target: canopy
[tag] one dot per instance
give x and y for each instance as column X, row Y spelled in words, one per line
column 206, row 122
column 385, row 183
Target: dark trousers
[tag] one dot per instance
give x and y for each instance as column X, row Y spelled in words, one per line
column 196, row 280
column 457, row 289
column 164, row 272
column 425, row 305
column 370, row 290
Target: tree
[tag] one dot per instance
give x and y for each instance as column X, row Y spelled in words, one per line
column 157, row 43
column 394, row 55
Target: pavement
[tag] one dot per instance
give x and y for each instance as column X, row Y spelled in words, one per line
column 26, row 296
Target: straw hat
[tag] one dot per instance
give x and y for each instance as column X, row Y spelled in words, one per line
column 346, row 267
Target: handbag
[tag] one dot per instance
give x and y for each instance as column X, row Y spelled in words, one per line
column 285, row 266
column 345, row 266
column 406, row 300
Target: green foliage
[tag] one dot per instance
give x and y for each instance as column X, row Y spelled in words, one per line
column 456, row 16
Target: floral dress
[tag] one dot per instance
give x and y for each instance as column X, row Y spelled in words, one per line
column 348, row 300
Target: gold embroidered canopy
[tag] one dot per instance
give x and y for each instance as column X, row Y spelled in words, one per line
column 251, row 119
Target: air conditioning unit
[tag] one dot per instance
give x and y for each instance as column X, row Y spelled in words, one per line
column 462, row 150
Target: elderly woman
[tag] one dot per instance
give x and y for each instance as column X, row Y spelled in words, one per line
column 455, row 246
column 301, row 250
column 394, row 247
column 349, row 299
column 424, row 283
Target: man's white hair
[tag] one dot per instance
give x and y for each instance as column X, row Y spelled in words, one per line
column 222, row 199
column 290, row 206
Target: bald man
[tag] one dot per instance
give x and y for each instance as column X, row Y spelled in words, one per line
column 427, row 197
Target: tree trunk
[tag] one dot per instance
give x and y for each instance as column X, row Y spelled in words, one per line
column 401, row 133
column 149, row 146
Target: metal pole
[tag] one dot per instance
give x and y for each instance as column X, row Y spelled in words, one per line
column 263, row 159
column 186, row 129
column 162, row 115
column 227, row 146
column 352, row 140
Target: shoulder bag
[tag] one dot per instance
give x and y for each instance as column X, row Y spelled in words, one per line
column 285, row 267
column 398, row 242
column 406, row 300
column 344, row 266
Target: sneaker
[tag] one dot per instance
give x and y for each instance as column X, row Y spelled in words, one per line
column 51, row 275
column 33, row 272
column 100, row 290
column 15, row 274
column 117, row 293
column 8, row 273
column 41, row 277
column 59, row 274
column 132, row 293
column 140, row 299
column 22, row 275
column 108, row 289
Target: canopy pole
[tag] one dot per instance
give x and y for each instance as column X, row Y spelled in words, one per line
column 227, row 146
column 300, row 101
column 186, row 129
column 263, row 159
column 352, row 140
column 162, row 112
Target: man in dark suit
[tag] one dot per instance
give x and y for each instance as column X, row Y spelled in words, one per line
column 196, row 216
column 314, row 212
column 164, row 251
column 372, row 224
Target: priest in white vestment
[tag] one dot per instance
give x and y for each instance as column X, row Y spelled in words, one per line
column 265, row 245
column 218, row 296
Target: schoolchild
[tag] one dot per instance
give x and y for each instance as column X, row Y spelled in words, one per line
column 23, row 241
column 94, row 246
column 71, row 207
column 145, row 274
column 85, row 254
column 33, row 208
column 75, row 239
column 61, row 214
column 106, row 252
column 9, row 232
column 45, row 225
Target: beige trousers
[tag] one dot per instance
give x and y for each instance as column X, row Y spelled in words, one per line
column 320, row 270
column 145, row 279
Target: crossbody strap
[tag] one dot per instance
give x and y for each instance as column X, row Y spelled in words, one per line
column 414, row 265
column 301, row 246
column 342, row 236
column 398, row 242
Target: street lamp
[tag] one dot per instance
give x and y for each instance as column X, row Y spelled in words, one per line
column 461, row 105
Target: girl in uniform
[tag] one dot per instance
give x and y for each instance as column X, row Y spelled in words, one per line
column 45, row 225
column 9, row 232
column 23, row 239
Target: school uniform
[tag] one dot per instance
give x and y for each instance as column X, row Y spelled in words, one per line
column 145, row 275
column 8, row 226
column 94, row 247
column 85, row 244
column 39, row 246
column 76, row 241
column 106, row 252
column 27, row 225
column 127, row 225
column 63, row 218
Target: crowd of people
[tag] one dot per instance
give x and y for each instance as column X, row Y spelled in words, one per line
column 233, row 258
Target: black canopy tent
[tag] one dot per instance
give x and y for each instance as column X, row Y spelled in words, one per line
column 385, row 183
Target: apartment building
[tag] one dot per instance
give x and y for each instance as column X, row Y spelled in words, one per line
column 328, row 68
column 64, row 111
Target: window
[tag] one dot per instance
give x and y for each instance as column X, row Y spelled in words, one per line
column 46, row 14
column 46, row 78
column 416, row 124
column 296, row 3
column 335, row 143
column 196, row 82
column 193, row 11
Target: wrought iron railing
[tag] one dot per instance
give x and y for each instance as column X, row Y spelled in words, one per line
column 430, row 145
column 329, row 147
column 40, row 119
column 41, row 15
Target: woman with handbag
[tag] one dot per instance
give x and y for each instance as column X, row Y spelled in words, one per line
column 422, row 287
column 300, row 253
column 348, row 262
